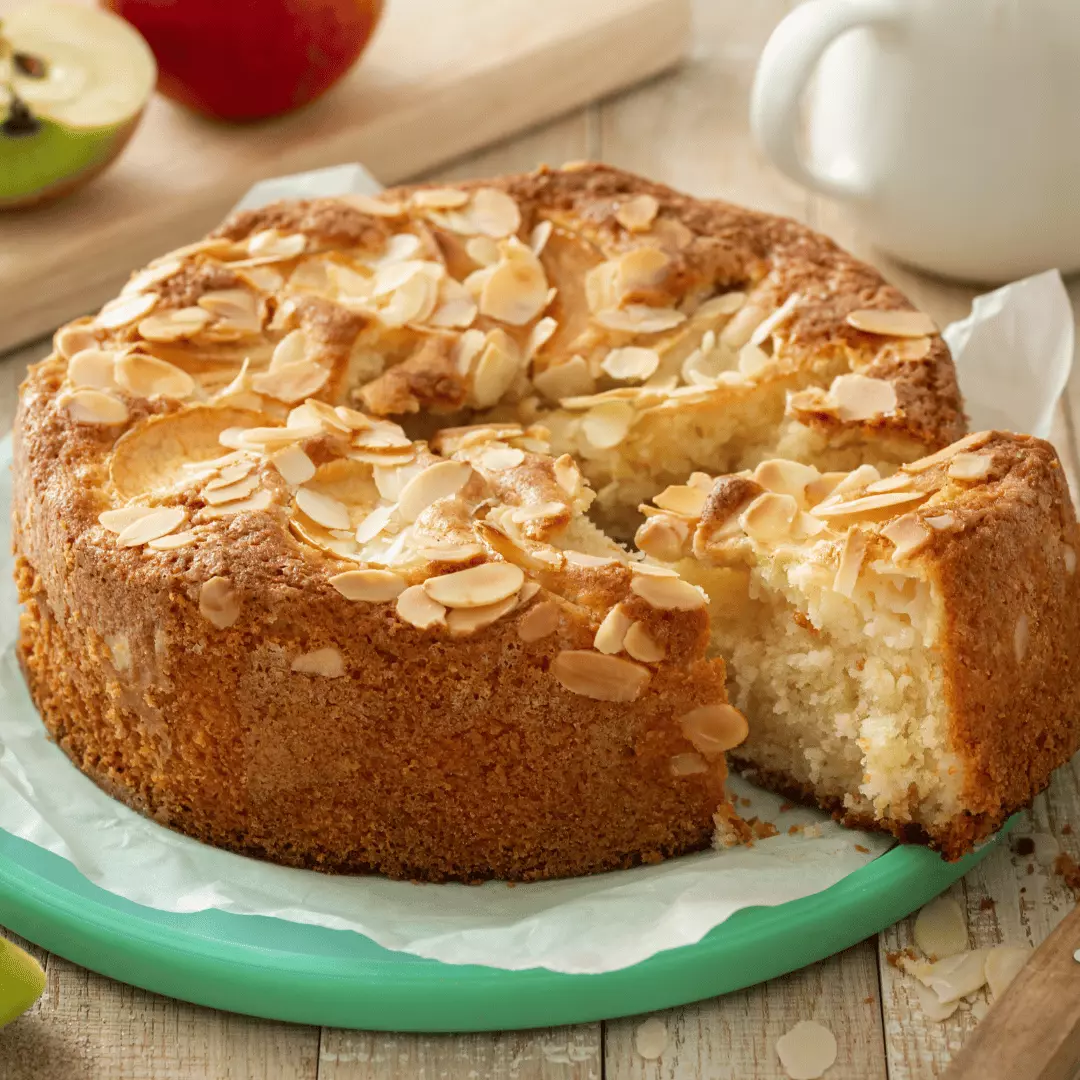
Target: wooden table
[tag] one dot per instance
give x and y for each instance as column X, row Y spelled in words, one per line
column 688, row 129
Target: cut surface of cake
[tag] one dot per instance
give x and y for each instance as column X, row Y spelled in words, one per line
column 313, row 567
column 904, row 647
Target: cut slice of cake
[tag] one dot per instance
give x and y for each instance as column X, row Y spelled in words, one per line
column 904, row 647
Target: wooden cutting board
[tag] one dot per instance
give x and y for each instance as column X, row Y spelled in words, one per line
column 442, row 77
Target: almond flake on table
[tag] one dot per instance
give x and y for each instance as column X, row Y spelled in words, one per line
column 651, row 1038
column 941, row 928
column 807, row 1051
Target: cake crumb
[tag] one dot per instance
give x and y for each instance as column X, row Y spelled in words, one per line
column 986, row 904
column 1068, row 869
column 1023, row 846
column 786, row 806
column 864, row 850
column 1066, row 829
column 762, row 829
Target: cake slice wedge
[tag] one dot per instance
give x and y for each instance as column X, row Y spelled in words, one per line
column 905, row 647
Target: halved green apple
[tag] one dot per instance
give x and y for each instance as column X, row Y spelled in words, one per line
column 73, row 85
column 21, row 981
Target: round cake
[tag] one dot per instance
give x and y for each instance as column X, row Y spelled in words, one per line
column 322, row 526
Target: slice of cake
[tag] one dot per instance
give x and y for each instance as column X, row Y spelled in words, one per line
column 905, row 648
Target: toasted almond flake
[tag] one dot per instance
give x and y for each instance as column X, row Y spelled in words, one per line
column 125, row 310
column 329, row 663
column 640, row 644
column 371, row 586
column 640, row 319
column 503, row 544
column 271, row 244
column 897, row 482
column 567, row 474
column 968, row 442
column 415, row 607
column 218, row 603
column 651, row 570
column 582, row 558
column 753, row 360
column 717, row 307
column 323, row 509
column 682, row 499
column 650, row 1036
column 116, row 521
column 907, row 535
column 294, row 465
column 291, row 382
column 807, row 1051
column 92, row 369
column 93, row 407
column 539, row 621
column 1003, row 964
column 912, row 348
column 227, row 493
column 73, row 339
column 439, row 198
column 375, row 206
column 931, row 1006
column 1068, row 555
column 952, row 978
column 463, row 621
column 851, row 560
column 786, row 477
column 663, row 538
column 770, row 517
column 540, row 235
column 147, row 376
column 494, row 213
column 714, row 729
column 610, row 633
column 965, row 466
column 150, row 526
column 374, row 524
column 690, row 764
column 771, row 323
column 496, row 369
column 1021, row 637
column 568, row 379
column 497, row 458
column 478, row 586
column 449, row 553
column 456, row 308
column 667, row 594
column 868, row 505
column 602, row 678
column 859, row 397
column 438, row 481
column 516, row 290
column 607, row 425
column 291, row 349
column 174, row 325
column 638, row 213
column 172, row 541
column 261, row 500
column 858, row 478
column 941, row 928
column 743, row 323
column 890, row 323
column 631, row 362
column 483, row 251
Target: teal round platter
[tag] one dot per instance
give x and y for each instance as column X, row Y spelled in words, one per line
column 311, row 975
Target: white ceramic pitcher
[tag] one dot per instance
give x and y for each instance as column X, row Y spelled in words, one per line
column 950, row 127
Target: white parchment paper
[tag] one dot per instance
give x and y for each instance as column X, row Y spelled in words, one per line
column 1013, row 353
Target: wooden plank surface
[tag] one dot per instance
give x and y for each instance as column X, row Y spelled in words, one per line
column 689, row 130
column 440, row 79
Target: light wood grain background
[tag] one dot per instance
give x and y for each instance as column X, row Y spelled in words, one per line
column 687, row 129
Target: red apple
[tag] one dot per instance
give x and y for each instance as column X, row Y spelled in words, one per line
column 249, row 59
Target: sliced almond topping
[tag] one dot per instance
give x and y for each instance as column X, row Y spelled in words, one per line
column 566, row 380
column 438, row 481
column 786, row 477
column 1021, row 636
column 539, row 621
column 1003, row 964
column 869, row 505
column 323, row 509
column 116, row 521
column 897, row 482
column 291, row 382
column 294, row 465
column 261, row 500
column 640, row 644
column 941, row 928
column 753, row 360
column 682, row 499
column 610, row 634
column 772, row 322
column 887, row 323
column 807, row 1051
column 640, row 319
column 462, row 621
column 227, row 493
column 93, row 369
column 150, row 526
column 371, row 586
column 415, row 607
column 329, row 663
column 638, row 213
column 858, row 397
column 497, row 458
column 1069, row 556
column 496, row 369
column 567, row 474
column 494, row 213
column 907, row 534
column 606, row 425
column 218, row 603
column 478, row 586
column 174, row 325
column 663, row 537
column 374, row 524
column 851, row 560
column 516, row 292
column 912, row 348
column 125, row 310
column 147, row 376
column 483, row 250
column 70, row 340
column 375, row 206
column 602, row 678
column 503, row 544
column 173, row 541
column 968, row 442
column 631, row 362
column 970, row 466
column 667, row 593
column 439, row 198
column 271, row 244
column 688, row 764
column 769, row 517
column 714, row 729
column 93, row 407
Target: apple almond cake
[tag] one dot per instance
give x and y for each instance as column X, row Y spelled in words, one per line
column 323, row 537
